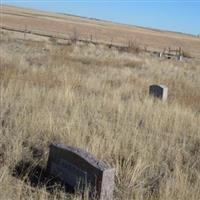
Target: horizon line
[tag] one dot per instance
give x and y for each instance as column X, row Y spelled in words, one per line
column 98, row 19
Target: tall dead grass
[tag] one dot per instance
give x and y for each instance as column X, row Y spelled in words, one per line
column 91, row 98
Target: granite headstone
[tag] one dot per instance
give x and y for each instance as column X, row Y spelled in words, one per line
column 81, row 170
column 159, row 91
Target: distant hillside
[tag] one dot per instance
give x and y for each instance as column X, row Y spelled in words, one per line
column 98, row 30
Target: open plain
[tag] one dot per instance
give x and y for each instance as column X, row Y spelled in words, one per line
column 96, row 98
column 97, row 30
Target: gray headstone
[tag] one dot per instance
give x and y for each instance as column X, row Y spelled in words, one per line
column 160, row 54
column 159, row 91
column 81, row 170
column 180, row 57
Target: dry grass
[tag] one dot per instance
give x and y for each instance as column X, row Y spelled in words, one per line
column 97, row 99
column 82, row 28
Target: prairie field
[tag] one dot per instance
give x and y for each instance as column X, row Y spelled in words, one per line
column 97, row 30
column 96, row 98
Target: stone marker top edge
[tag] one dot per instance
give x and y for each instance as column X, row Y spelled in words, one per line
column 162, row 86
column 84, row 155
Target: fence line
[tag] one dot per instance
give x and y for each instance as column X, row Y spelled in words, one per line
column 54, row 34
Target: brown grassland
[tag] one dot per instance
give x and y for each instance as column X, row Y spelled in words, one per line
column 154, row 40
column 96, row 98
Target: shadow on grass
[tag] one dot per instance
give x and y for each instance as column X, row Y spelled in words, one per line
column 36, row 176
